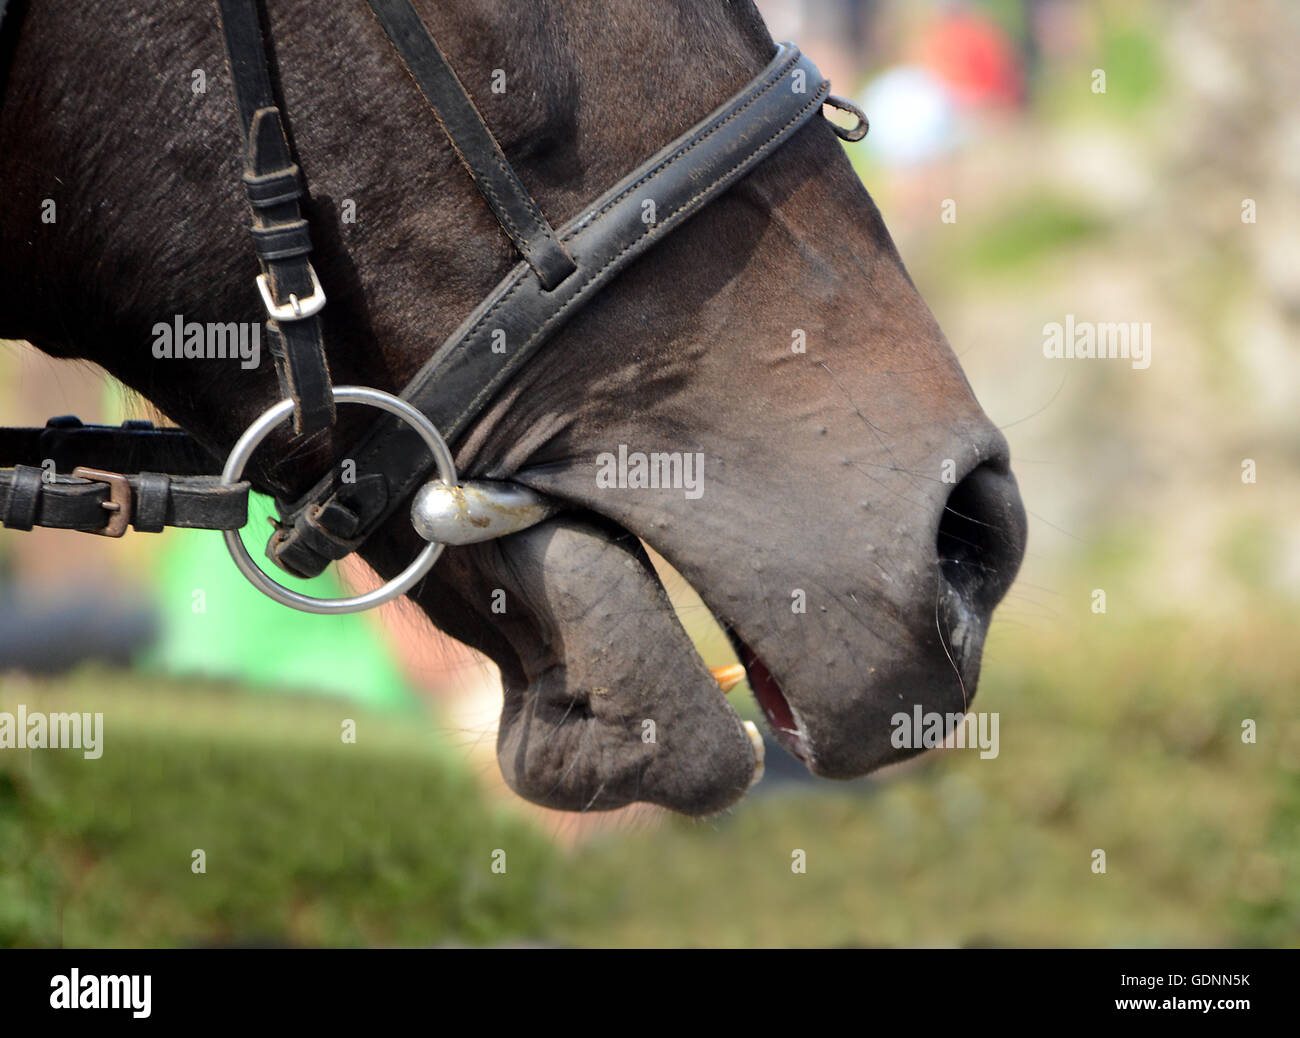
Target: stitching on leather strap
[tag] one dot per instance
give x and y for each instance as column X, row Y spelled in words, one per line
column 658, row 171
column 781, row 73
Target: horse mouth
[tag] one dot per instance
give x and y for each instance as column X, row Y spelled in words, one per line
column 777, row 711
column 786, row 728
column 608, row 699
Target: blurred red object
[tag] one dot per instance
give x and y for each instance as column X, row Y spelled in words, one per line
column 975, row 58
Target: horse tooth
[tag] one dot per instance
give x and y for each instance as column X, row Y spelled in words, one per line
column 728, row 677
column 756, row 739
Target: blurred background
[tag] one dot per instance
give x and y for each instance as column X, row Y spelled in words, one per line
column 1021, row 187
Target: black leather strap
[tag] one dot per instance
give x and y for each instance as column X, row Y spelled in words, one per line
column 37, row 488
column 67, row 503
column 273, row 184
column 153, row 493
column 519, row 216
column 465, row 373
column 66, row 443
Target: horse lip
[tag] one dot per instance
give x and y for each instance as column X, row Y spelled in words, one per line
column 780, row 716
column 785, row 725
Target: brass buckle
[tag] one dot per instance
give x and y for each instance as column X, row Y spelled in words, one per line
column 118, row 504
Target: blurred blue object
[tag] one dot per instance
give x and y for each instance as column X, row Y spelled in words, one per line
column 45, row 632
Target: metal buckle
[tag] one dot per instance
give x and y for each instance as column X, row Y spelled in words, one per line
column 118, row 504
column 295, row 309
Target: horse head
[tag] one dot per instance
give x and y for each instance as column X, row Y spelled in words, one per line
column 831, row 487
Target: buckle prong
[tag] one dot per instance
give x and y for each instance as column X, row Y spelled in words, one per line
column 295, row 309
column 118, row 505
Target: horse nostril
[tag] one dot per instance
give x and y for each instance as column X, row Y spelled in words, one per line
column 981, row 536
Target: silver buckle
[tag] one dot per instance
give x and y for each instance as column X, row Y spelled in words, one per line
column 295, row 309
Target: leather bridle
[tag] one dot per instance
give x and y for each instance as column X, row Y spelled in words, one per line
column 91, row 478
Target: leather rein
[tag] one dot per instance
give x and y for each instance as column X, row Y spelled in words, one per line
column 104, row 479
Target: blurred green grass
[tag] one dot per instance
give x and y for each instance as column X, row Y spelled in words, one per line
column 1128, row 741
column 1118, row 733
column 308, row 840
column 1019, row 236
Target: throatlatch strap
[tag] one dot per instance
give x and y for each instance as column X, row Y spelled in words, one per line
column 104, row 478
column 65, row 442
column 273, row 184
column 466, row 371
column 474, row 144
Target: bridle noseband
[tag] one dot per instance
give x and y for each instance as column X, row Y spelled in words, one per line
column 560, row 270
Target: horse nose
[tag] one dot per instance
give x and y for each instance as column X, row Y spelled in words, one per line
column 980, row 540
column 925, row 653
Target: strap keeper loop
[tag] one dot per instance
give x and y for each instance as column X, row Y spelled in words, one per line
column 24, row 497
column 266, row 190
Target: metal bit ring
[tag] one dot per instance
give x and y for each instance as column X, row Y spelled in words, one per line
column 400, row 584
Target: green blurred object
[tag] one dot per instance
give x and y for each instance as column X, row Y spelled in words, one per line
column 217, row 624
column 1022, row 235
